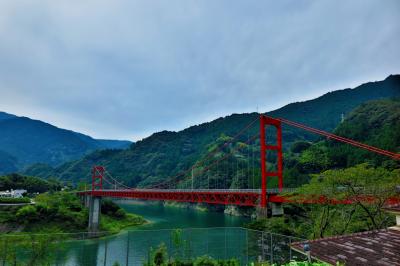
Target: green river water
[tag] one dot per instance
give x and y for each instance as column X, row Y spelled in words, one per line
column 211, row 233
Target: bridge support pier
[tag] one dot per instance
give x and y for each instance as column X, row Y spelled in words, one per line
column 272, row 209
column 276, row 209
column 262, row 212
column 86, row 201
column 82, row 199
column 94, row 213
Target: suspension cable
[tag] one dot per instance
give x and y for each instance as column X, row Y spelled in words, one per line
column 392, row 155
column 208, row 155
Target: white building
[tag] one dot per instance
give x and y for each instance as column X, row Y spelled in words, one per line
column 18, row 193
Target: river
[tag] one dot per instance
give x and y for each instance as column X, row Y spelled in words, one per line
column 169, row 217
column 211, row 233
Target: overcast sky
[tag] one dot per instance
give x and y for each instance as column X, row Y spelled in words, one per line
column 125, row 69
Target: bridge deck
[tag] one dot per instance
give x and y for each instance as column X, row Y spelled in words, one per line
column 241, row 197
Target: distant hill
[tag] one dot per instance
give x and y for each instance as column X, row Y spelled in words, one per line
column 4, row 116
column 165, row 153
column 24, row 141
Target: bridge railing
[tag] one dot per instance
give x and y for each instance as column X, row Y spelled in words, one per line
column 258, row 191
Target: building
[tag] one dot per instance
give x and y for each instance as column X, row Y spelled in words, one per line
column 381, row 247
column 18, row 193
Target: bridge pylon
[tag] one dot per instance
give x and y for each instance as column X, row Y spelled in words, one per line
column 97, row 177
column 266, row 121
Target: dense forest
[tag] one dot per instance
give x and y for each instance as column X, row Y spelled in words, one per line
column 29, row 183
column 164, row 154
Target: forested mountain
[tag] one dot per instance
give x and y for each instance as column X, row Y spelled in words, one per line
column 375, row 123
column 24, row 141
column 30, row 183
column 166, row 153
column 4, row 116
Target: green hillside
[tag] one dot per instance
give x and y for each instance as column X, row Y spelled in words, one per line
column 30, row 183
column 166, row 153
column 376, row 123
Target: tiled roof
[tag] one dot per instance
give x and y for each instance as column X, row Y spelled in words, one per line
column 392, row 208
column 380, row 247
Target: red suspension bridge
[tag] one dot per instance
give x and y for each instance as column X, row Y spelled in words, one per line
column 227, row 174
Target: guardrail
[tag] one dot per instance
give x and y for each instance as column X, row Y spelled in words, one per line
column 258, row 191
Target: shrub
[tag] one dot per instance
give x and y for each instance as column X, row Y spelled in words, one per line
column 27, row 213
column 120, row 213
column 15, row 200
column 109, row 207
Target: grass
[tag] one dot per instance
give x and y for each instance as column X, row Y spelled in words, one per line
column 114, row 225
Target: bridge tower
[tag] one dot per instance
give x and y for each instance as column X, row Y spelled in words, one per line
column 266, row 121
column 97, row 177
column 95, row 201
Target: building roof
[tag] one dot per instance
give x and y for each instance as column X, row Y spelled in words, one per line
column 381, row 247
column 393, row 208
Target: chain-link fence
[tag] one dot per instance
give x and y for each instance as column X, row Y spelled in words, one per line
column 134, row 247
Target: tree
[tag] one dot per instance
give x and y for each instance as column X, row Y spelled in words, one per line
column 368, row 189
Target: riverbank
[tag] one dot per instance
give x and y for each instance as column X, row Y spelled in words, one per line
column 63, row 213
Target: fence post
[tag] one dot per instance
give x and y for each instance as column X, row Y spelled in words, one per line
column 105, row 252
column 127, row 249
column 262, row 246
column 5, row 251
column 225, row 254
column 148, row 252
column 208, row 235
column 170, row 247
column 247, row 247
column 271, row 250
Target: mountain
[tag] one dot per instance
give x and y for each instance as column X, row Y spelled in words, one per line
column 24, row 141
column 114, row 144
column 166, row 153
column 4, row 116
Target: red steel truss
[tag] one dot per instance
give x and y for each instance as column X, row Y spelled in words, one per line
column 225, row 198
column 220, row 197
column 97, row 177
column 264, row 122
